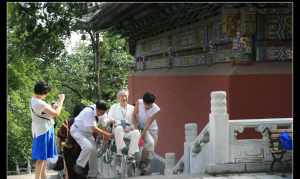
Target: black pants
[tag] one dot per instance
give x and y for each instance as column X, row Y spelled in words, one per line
column 71, row 155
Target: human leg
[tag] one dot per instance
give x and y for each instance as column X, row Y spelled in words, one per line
column 39, row 169
column 134, row 137
column 119, row 138
column 93, row 158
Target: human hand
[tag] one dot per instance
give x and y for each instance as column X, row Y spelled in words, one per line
column 143, row 134
column 107, row 136
column 61, row 97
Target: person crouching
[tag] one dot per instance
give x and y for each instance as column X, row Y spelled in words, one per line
column 85, row 125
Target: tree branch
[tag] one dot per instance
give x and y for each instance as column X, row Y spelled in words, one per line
column 72, row 89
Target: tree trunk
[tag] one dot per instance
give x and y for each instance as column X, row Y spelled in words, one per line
column 95, row 44
column 97, row 56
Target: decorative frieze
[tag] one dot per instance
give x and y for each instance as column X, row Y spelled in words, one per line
column 200, row 36
column 157, row 63
column 248, row 21
column 140, row 63
column 278, row 27
column 278, row 53
column 231, row 21
column 185, row 39
column 229, row 36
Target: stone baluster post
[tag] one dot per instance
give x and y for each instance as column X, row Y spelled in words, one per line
column 191, row 131
column 219, row 129
column 170, row 160
column 18, row 168
column 28, row 167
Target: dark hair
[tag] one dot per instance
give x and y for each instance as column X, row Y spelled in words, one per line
column 101, row 105
column 148, row 98
column 77, row 109
column 41, row 88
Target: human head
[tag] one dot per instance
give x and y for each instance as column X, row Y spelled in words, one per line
column 123, row 96
column 42, row 88
column 101, row 108
column 148, row 100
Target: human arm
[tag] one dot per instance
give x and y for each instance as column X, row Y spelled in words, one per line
column 55, row 112
column 97, row 130
column 149, row 121
column 135, row 120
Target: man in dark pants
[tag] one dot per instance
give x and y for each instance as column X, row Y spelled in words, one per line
column 71, row 149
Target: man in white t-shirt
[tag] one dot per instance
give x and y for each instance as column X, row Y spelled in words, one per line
column 145, row 114
column 82, row 130
column 121, row 113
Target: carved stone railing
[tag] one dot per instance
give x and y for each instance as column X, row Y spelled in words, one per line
column 219, row 148
column 199, row 155
column 253, row 150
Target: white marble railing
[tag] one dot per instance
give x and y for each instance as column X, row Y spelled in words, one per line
column 200, row 152
column 252, row 150
column 217, row 144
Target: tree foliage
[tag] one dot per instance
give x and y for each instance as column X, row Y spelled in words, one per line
column 35, row 39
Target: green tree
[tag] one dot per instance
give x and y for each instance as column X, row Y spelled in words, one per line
column 36, row 32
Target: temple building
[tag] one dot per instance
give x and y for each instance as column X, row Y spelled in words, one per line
column 183, row 51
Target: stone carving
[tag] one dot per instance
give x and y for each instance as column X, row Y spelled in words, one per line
column 171, row 54
column 205, row 138
column 186, row 39
column 191, row 131
column 242, row 47
column 238, row 129
column 236, row 42
column 179, row 169
column 247, row 153
column 278, row 27
column 170, row 159
column 157, row 63
column 140, row 63
column 278, row 53
column 218, row 128
column 231, row 24
column 248, row 22
column 200, row 37
column 218, row 102
column 155, row 46
column 197, row 147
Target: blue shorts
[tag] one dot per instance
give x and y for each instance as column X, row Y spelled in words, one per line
column 44, row 146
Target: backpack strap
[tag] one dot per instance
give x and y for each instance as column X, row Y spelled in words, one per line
column 91, row 108
column 38, row 115
column 96, row 117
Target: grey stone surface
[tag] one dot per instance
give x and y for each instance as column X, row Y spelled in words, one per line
column 228, row 176
column 157, row 164
column 226, row 168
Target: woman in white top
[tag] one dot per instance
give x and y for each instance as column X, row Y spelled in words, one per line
column 43, row 143
column 121, row 114
column 145, row 114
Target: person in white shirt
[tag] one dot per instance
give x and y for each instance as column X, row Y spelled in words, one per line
column 144, row 118
column 121, row 114
column 43, row 142
column 82, row 130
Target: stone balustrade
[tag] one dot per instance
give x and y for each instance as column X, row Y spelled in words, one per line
column 217, row 147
